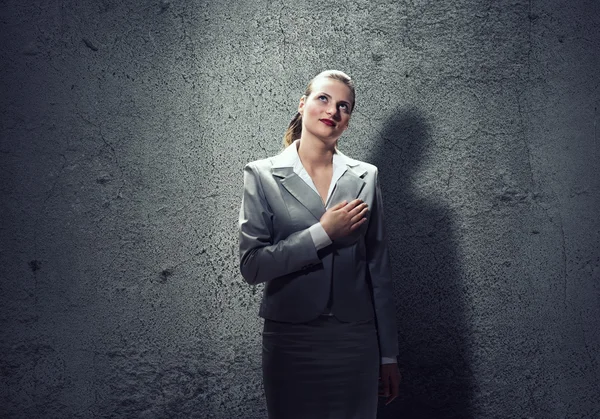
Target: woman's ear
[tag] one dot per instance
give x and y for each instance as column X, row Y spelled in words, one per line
column 301, row 104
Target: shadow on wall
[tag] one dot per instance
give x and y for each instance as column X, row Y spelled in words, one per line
column 433, row 334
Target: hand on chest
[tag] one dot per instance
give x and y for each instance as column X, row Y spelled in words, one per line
column 304, row 206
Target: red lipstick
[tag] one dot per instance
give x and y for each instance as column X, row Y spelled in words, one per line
column 327, row 122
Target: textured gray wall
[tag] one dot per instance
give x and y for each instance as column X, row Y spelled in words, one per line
column 124, row 130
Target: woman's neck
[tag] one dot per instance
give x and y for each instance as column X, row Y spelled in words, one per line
column 315, row 154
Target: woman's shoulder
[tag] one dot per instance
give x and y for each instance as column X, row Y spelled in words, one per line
column 285, row 158
column 358, row 164
column 260, row 164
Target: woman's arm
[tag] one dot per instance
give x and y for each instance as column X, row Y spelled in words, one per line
column 261, row 258
column 383, row 298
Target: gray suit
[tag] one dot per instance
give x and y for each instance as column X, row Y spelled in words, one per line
column 276, row 248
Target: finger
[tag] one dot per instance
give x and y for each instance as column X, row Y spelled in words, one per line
column 359, row 215
column 385, row 385
column 357, row 209
column 353, row 204
column 395, row 386
column 395, row 391
column 339, row 206
column 357, row 224
column 396, row 379
column 394, row 394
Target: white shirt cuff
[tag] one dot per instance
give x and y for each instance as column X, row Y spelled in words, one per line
column 386, row 360
column 319, row 236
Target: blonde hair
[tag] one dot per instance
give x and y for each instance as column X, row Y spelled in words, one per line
column 294, row 130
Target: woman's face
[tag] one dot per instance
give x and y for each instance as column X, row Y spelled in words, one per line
column 326, row 111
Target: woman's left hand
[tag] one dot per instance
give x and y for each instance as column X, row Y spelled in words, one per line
column 390, row 381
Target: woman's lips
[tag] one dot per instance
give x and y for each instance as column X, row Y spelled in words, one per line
column 327, row 122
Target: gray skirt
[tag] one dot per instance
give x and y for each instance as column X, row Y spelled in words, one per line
column 323, row 369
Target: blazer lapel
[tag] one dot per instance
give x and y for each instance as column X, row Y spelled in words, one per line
column 349, row 186
column 300, row 190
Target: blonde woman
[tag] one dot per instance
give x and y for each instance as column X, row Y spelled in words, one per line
column 312, row 230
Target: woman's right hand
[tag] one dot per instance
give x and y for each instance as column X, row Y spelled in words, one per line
column 343, row 218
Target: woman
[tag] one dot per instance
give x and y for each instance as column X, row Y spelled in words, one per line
column 311, row 230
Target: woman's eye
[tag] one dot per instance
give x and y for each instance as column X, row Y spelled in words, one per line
column 323, row 98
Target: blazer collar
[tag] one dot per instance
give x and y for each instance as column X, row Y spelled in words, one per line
column 348, row 185
column 288, row 158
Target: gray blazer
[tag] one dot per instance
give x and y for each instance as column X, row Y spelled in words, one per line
column 276, row 248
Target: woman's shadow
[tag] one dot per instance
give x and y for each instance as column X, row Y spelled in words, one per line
column 429, row 295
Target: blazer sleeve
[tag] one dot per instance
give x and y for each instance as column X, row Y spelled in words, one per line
column 262, row 257
column 378, row 262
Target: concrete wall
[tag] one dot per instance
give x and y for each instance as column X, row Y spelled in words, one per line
column 124, row 130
